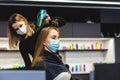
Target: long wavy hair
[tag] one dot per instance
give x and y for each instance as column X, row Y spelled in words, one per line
column 13, row 37
column 38, row 54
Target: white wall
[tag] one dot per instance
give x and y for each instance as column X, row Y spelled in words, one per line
column 9, row 58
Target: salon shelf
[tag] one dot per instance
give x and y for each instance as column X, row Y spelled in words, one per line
column 10, row 58
column 83, row 57
column 80, row 73
column 83, row 50
column 9, row 50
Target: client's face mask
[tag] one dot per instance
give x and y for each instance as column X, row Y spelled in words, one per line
column 22, row 30
column 54, row 45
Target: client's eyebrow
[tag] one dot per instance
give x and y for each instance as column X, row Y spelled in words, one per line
column 54, row 37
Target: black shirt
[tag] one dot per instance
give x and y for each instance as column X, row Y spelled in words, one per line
column 52, row 64
column 27, row 46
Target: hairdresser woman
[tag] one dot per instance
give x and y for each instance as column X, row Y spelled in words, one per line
column 23, row 35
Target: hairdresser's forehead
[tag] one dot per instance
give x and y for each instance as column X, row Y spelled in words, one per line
column 17, row 24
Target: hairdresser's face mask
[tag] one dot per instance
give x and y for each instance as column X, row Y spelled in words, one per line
column 54, row 45
column 22, row 30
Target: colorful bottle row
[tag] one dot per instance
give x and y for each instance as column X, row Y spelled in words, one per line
column 18, row 66
column 83, row 46
column 78, row 68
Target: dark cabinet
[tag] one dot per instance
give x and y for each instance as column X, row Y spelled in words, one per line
column 3, row 28
column 110, row 22
column 110, row 16
column 86, row 30
column 66, row 31
column 80, row 30
column 117, row 50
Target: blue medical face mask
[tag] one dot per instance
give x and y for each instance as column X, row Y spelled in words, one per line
column 22, row 30
column 54, row 45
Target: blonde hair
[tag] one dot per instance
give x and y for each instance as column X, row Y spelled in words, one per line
column 12, row 35
column 38, row 54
